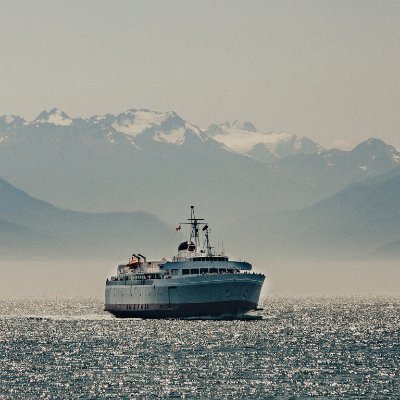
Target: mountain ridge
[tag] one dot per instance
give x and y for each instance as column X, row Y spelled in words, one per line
column 37, row 227
column 134, row 122
column 143, row 160
column 362, row 220
column 355, row 222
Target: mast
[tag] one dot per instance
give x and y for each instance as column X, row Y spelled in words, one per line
column 195, row 224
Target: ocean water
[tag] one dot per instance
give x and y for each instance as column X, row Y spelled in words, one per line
column 301, row 348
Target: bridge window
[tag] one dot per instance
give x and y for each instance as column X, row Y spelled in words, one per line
column 185, row 272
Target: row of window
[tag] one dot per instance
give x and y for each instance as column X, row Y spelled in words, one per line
column 138, row 277
column 197, row 271
column 217, row 258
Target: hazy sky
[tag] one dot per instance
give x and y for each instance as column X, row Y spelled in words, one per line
column 329, row 70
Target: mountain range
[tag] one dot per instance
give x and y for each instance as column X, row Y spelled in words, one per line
column 362, row 220
column 159, row 163
column 127, row 173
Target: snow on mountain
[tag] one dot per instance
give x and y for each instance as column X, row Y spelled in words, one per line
column 244, row 138
column 55, row 117
column 238, row 138
column 139, row 125
column 175, row 130
column 175, row 137
column 138, row 128
column 134, row 122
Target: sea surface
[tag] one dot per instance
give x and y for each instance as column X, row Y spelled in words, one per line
column 302, row 347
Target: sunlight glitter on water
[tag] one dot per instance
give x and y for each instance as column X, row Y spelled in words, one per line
column 70, row 348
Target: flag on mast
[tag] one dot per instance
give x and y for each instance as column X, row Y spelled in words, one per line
column 178, row 228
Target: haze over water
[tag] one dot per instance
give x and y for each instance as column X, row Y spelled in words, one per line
column 302, row 347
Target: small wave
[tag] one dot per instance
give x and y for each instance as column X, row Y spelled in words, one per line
column 85, row 317
column 247, row 317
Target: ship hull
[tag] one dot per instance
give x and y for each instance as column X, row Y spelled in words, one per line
column 220, row 296
column 223, row 309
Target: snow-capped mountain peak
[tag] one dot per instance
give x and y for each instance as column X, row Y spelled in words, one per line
column 55, row 117
column 244, row 138
column 166, row 127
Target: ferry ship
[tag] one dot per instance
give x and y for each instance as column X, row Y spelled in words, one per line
column 197, row 283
